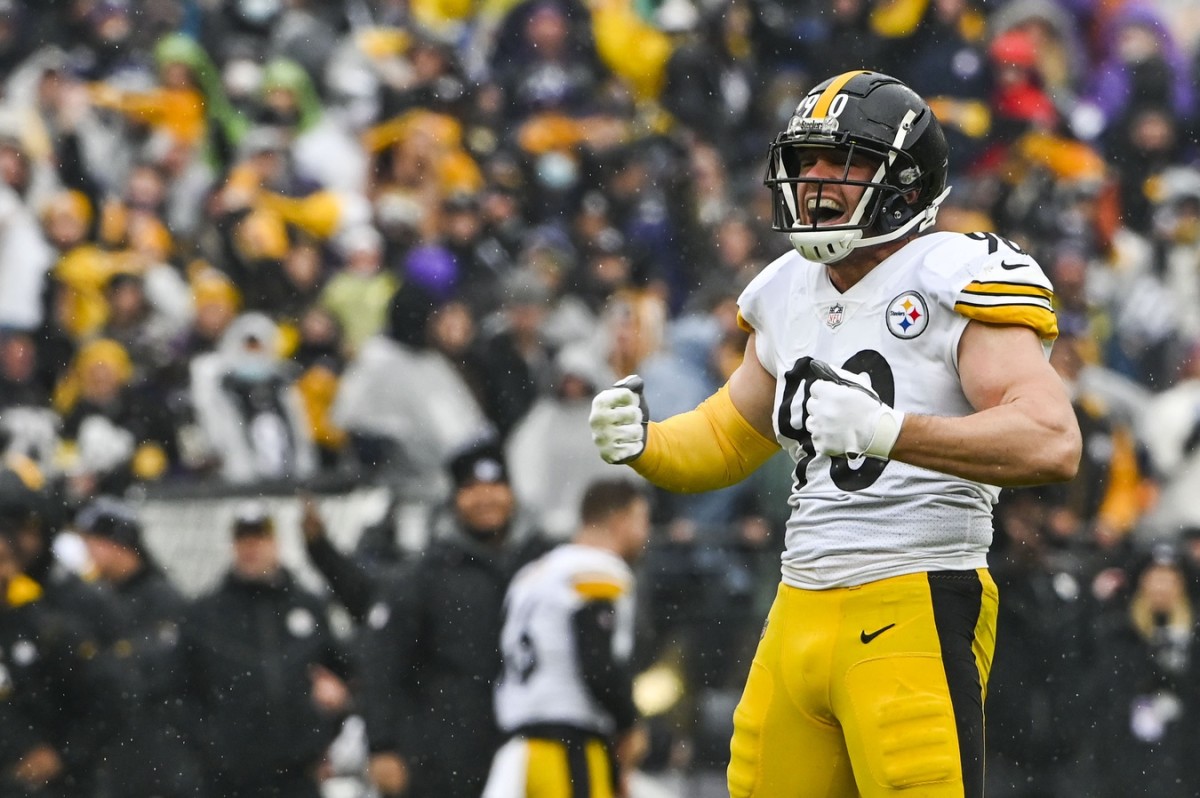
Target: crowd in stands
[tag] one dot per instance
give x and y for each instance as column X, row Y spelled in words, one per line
column 247, row 244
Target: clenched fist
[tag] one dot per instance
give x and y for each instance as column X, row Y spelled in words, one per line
column 846, row 417
column 618, row 419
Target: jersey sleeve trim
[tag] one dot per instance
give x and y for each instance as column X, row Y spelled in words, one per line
column 745, row 325
column 1041, row 321
column 1000, row 288
column 598, row 587
column 999, row 302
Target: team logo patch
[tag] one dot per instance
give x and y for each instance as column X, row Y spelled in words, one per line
column 835, row 314
column 907, row 315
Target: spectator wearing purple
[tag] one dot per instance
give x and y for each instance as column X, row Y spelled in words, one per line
column 1142, row 65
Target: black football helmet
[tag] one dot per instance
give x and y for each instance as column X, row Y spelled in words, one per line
column 860, row 114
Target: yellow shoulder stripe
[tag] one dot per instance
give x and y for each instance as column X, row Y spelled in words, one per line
column 831, row 91
column 995, row 287
column 1039, row 319
column 596, row 587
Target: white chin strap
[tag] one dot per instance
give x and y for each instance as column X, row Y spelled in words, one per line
column 830, row 246
column 825, row 247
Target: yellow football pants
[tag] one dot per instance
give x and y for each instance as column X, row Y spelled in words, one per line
column 875, row 690
column 530, row 767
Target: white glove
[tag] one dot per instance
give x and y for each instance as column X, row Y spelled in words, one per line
column 618, row 419
column 846, row 417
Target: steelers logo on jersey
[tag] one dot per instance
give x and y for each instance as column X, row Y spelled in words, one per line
column 907, row 315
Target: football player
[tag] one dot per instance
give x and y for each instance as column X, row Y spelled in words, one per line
column 565, row 696
column 906, row 375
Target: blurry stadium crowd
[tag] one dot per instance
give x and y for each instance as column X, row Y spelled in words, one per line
column 247, row 244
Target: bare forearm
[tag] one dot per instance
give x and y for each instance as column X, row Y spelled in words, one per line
column 1006, row 445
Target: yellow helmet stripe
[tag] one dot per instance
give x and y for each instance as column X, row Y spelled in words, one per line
column 831, row 91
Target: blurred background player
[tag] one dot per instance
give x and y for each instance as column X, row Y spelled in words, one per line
column 565, row 696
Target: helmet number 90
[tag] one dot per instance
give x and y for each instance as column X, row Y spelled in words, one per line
column 810, row 102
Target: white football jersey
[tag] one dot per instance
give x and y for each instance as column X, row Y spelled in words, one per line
column 542, row 681
column 856, row 521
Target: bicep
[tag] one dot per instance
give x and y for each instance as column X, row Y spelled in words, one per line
column 1000, row 365
column 752, row 390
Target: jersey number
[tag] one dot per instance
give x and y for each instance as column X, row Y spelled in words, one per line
column 868, row 362
column 994, row 242
column 521, row 664
column 527, row 658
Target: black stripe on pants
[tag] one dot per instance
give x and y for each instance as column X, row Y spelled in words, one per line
column 577, row 768
column 957, row 598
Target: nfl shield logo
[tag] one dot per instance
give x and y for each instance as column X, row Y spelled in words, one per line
column 834, row 314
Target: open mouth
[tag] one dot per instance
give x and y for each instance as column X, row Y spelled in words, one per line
column 824, row 211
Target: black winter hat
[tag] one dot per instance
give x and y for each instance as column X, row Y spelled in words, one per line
column 107, row 517
column 481, row 462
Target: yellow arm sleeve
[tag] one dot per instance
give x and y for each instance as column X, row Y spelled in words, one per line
column 711, row 447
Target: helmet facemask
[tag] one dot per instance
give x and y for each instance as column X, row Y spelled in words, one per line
column 883, row 210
